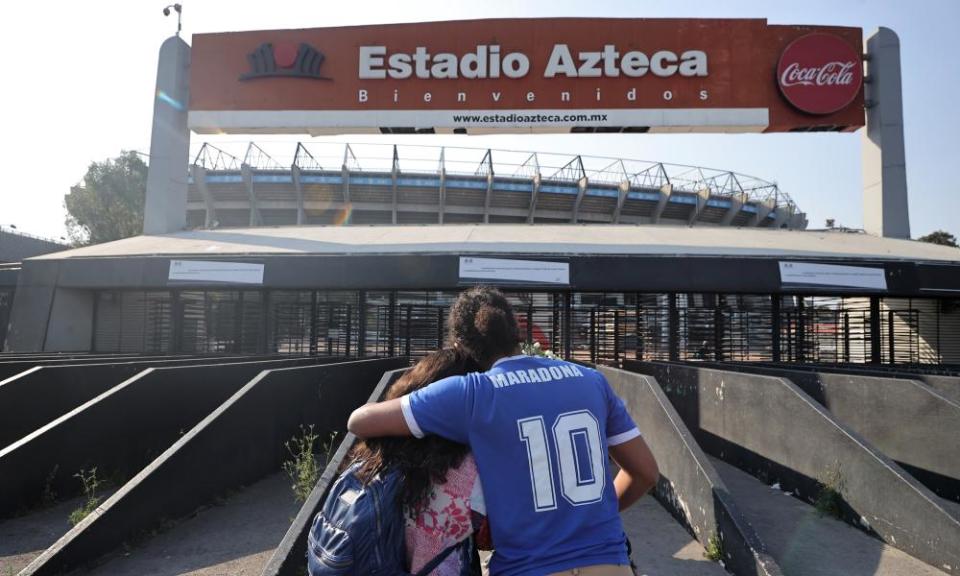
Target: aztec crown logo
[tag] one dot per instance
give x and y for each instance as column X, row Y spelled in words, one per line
column 285, row 60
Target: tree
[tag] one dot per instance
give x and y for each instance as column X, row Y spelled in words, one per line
column 941, row 237
column 108, row 204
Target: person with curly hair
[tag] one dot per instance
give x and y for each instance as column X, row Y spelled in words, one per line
column 440, row 491
column 540, row 430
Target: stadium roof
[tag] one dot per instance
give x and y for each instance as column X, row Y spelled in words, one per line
column 547, row 240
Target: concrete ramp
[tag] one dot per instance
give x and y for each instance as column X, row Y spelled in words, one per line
column 238, row 444
column 12, row 365
column 234, row 537
column 25, row 537
column 122, row 430
column 661, row 547
column 907, row 420
column 689, row 486
column 289, row 558
column 806, row 543
column 772, row 429
column 43, row 393
column 947, row 385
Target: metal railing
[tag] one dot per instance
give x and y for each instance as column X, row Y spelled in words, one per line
column 462, row 161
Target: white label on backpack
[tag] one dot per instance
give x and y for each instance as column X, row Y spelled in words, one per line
column 350, row 497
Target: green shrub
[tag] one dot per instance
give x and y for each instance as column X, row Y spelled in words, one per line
column 91, row 500
column 302, row 467
column 714, row 549
column 829, row 501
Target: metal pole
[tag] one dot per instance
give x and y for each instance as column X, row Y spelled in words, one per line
column 349, row 329
column 313, row 323
column 875, row 348
column 530, row 322
column 846, row 337
column 593, row 335
column 362, row 324
column 639, row 335
column 392, row 321
column 890, row 337
column 407, row 336
column 718, row 329
column 673, row 327
column 616, row 336
column 801, row 330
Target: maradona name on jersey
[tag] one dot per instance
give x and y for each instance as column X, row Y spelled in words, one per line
column 531, row 375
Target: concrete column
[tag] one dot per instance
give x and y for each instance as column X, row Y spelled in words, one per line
column 736, row 204
column 394, row 175
column 763, row 210
column 200, row 181
column 443, row 194
column 665, row 191
column 298, row 186
column 487, row 200
column 165, row 208
column 246, row 172
column 884, row 164
column 533, row 198
column 784, row 215
column 621, row 200
column 702, row 197
column 581, row 192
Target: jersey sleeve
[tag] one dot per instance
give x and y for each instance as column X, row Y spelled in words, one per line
column 620, row 426
column 444, row 408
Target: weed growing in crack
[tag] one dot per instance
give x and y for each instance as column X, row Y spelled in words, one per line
column 302, row 467
column 90, row 499
column 330, row 446
column 829, row 501
column 713, row 551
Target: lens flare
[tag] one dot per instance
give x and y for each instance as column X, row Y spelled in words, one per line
column 170, row 101
column 343, row 216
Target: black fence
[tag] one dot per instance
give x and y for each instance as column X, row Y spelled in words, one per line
column 593, row 327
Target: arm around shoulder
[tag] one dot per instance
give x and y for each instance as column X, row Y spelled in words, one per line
column 379, row 419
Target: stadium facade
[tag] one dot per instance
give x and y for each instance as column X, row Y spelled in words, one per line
column 358, row 250
column 330, row 184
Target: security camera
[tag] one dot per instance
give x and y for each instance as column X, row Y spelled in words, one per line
column 166, row 11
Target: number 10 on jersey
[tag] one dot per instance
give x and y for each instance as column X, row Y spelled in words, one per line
column 579, row 453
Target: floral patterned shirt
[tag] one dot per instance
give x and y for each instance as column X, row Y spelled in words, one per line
column 449, row 516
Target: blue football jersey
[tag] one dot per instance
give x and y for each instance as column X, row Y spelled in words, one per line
column 539, row 430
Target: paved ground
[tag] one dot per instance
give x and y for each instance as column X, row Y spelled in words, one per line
column 806, row 544
column 661, row 547
column 23, row 539
column 235, row 538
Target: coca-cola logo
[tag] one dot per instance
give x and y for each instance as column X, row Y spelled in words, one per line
column 820, row 73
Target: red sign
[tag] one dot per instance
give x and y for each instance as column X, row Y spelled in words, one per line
column 527, row 75
column 820, row 73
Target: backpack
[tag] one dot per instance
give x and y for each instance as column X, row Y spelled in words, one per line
column 360, row 530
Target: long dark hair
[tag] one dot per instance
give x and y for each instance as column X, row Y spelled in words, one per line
column 481, row 322
column 423, row 462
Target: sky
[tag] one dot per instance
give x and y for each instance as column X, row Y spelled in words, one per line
column 80, row 89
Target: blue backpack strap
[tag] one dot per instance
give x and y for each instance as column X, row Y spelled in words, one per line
column 439, row 558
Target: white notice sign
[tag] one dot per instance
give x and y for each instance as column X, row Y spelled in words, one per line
column 504, row 270
column 809, row 274
column 206, row 271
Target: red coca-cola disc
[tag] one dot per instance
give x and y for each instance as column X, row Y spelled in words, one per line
column 820, row 73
